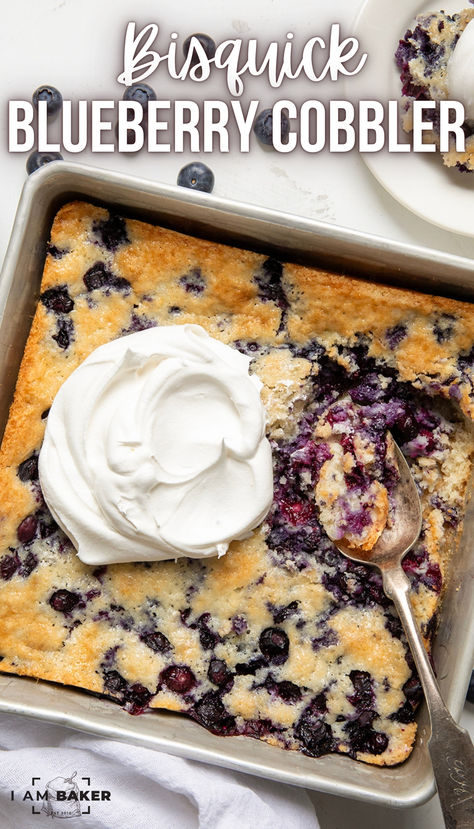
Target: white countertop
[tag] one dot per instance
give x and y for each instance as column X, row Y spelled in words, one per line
column 77, row 45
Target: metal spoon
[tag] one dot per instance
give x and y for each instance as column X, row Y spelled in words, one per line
column 451, row 749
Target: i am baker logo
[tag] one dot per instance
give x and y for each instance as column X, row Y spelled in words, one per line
column 61, row 797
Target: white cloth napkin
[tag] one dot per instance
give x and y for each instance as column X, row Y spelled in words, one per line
column 148, row 789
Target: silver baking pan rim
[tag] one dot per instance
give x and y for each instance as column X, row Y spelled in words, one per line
column 297, row 239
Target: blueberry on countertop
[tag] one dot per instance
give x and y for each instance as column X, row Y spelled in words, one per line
column 263, row 127
column 51, row 95
column 207, row 44
column 141, row 93
column 196, row 176
column 36, row 160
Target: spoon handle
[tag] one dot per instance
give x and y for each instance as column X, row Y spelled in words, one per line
column 451, row 749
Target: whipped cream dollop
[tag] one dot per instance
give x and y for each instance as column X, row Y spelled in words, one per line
column 155, row 448
column 460, row 71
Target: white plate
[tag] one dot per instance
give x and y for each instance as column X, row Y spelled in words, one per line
column 419, row 181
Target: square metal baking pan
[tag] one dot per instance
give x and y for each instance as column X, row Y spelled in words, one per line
column 294, row 239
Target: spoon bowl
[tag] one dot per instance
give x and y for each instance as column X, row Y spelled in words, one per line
column 398, row 537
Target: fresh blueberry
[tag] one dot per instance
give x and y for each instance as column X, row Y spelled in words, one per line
column 52, row 96
column 207, row 44
column 263, row 127
column 196, row 176
column 64, row 600
column 274, row 644
column 141, row 93
column 37, row 160
column 27, row 529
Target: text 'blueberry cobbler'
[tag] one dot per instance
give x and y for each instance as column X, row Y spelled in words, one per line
column 281, row 639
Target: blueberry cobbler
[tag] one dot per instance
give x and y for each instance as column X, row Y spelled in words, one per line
column 281, row 638
column 435, row 63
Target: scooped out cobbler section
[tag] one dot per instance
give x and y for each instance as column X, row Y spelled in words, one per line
column 281, row 639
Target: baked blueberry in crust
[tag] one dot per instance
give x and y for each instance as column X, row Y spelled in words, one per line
column 281, row 639
column 422, row 57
